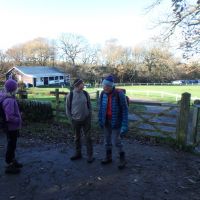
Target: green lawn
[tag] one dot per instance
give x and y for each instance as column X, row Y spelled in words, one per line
column 194, row 90
column 158, row 93
column 161, row 93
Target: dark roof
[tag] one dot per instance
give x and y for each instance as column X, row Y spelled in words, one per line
column 40, row 71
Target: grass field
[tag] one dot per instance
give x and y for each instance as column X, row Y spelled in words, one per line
column 158, row 93
column 162, row 93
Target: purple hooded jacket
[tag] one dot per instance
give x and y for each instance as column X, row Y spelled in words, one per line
column 11, row 109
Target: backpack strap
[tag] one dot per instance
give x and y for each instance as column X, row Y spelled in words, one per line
column 87, row 97
column 3, row 115
column 126, row 97
column 116, row 93
column 6, row 97
column 70, row 100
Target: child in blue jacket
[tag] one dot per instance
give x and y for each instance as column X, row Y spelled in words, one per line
column 113, row 119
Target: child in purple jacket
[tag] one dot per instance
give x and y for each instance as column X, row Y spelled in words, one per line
column 12, row 124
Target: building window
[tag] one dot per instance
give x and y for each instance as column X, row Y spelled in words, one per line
column 67, row 78
column 41, row 79
column 56, row 78
column 61, row 77
column 51, row 78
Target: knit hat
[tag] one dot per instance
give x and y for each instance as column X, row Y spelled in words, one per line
column 10, row 85
column 108, row 81
column 77, row 82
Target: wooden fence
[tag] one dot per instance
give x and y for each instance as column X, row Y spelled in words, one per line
column 158, row 119
column 196, row 124
column 148, row 84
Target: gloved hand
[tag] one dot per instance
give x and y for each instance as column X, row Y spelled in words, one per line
column 100, row 124
column 123, row 131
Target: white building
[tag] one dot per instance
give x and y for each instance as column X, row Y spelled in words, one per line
column 39, row 75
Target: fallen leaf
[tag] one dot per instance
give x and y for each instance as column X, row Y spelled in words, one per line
column 191, row 181
column 166, row 191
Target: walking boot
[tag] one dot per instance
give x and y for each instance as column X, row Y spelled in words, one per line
column 90, row 159
column 108, row 158
column 76, row 156
column 122, row 160
column 12, row 169
column 17, row 164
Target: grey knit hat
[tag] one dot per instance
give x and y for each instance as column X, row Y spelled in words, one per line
column 77, row 82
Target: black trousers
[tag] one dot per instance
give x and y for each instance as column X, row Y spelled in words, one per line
column 11, row 145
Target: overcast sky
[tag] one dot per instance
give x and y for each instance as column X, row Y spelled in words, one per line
column 97, row 20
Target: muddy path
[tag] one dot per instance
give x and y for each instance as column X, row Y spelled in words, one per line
column 154, row 172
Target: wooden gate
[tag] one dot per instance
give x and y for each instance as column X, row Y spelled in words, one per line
column 196, row 124
column 161, row 119
column 155, row 119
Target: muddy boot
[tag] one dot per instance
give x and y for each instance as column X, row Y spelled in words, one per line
column 108, row 158
column 90, row 159
column 17, row 164
column 122, row 162
column 76, row 156
column 12, row 169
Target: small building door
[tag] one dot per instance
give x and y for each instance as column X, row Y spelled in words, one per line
column 46, row 81
column 34, row 82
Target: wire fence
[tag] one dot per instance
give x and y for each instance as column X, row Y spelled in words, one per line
column 151, row 93
column 148, row 84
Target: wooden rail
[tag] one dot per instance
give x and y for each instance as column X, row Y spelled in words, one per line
column 172, row 120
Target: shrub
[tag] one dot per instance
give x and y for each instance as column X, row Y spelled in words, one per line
column 36, row 111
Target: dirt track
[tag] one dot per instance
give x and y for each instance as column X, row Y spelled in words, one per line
column 153, row 172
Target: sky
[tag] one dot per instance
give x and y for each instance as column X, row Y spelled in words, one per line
column 97, row 20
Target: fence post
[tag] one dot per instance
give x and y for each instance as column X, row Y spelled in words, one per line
column 57, row 102
column 183, row 120
column 195, row 120
column 97, row 97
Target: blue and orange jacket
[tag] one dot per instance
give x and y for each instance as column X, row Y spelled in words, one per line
column 119, row 109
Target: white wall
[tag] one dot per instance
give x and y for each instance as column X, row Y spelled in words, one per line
column 40, row 81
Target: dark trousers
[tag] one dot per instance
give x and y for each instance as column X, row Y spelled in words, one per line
column 85, row 125
column 11, row 145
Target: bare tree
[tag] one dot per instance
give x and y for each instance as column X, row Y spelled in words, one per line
column 184, row 16
column 39, row 52
column 160, row 65
column 72, row 46
column 112, row 53
column 16, row 54
column 4, row 64
column 192, row 70
column 34, row 52
column 90, row 56
column 137, row 59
